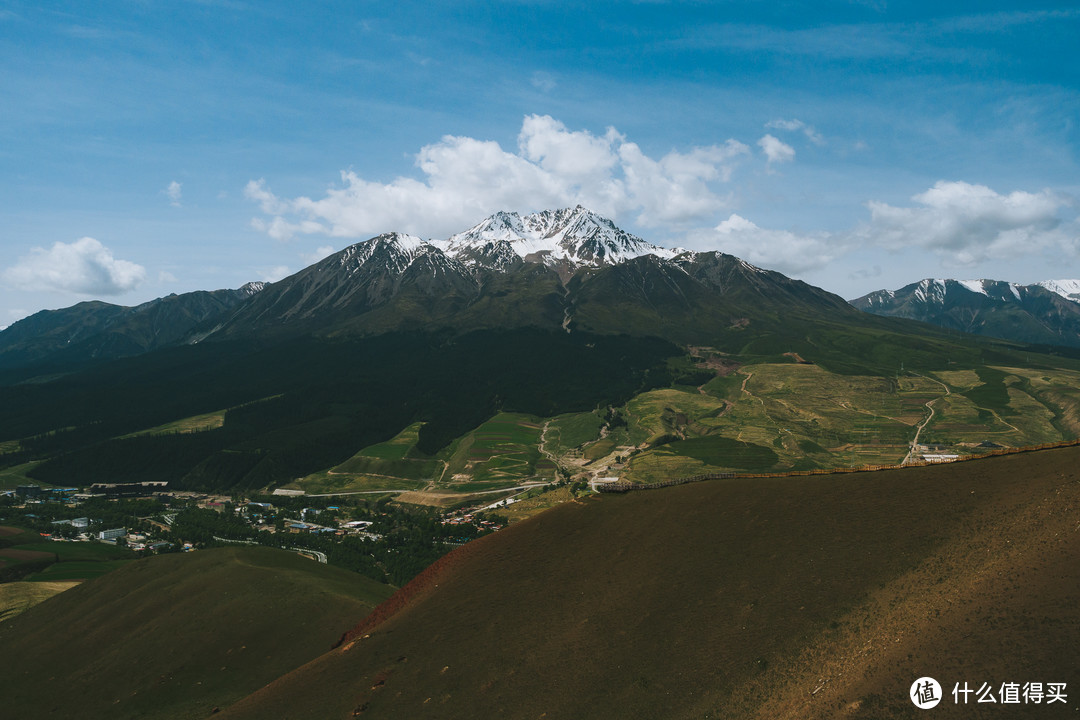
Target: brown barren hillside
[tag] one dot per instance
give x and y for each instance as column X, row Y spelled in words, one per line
column 815, row 597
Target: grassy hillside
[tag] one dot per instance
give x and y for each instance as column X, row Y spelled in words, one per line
column 18, row 597
column 818, row 597
column 390, row 465
column 763, row 417
column 13, row 477
column 175, row 636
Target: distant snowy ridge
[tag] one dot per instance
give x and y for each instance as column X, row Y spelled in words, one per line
column 935, row 290
column 1068, row 289
column 1046, row 313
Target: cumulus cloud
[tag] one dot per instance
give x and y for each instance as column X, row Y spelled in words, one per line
column 776, row 151
column 174, row 192
column 782, row 250
column 962, row 223
column 795, row 124
column 465, row 179
column 85, row 267
column 972, row 223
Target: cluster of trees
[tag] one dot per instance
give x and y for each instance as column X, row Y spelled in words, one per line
column 309, row 404
column 411, row 539
column 103, row 513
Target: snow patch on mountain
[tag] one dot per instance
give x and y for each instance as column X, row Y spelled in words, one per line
column 574, row 235
column 930, row 290
column 975, row 286
column 1068, row 289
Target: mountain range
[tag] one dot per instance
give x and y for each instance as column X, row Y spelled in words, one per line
column 90, row 330
column 565, row 269
column 542, row 315
column 1046, row 313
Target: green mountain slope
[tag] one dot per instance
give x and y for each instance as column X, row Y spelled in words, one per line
column 95, row 330
column 792, row 598
column 175, row 636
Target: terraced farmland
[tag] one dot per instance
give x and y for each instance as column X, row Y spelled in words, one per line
column 768, row 417
column 501, row 452
column 807, row 418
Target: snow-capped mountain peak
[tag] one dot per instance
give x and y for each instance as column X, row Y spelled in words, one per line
column 575, row 236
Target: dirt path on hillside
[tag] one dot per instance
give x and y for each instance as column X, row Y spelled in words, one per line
column 924, row 423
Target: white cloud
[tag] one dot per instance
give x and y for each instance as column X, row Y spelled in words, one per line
column 174, row 192
column 795, row 124
column 782, row 250
column 465, row 179
column 85, row 267
column 575, row 156
column 776, row 151
column 165, row 277
column 962, row 223
column 676, row 188
column 543, row 81
column 320, row 252
column 274, row 274
column 972, row 223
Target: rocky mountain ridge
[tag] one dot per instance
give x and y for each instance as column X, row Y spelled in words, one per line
column 1046, row 312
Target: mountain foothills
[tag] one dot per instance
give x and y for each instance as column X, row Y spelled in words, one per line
column 526, row 348
column 1046, row 313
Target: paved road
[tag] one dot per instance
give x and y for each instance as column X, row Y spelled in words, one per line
column 522, row 487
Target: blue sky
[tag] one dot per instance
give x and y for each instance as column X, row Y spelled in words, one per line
column 157, row 147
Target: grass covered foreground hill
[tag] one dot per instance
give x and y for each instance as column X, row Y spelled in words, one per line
column 175, row 636
column 820, row 597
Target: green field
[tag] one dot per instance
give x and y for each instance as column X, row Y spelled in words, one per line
column 18, row 597
column 766, row 417
column 65, row 560
column 12, row 477
column 811, row 418
column 391, row 465
column 399, row 447
column 195, row 423
column 503, row 451
column 77, row 570
column 81, row 551
column 569, row 432
column 500, row 452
